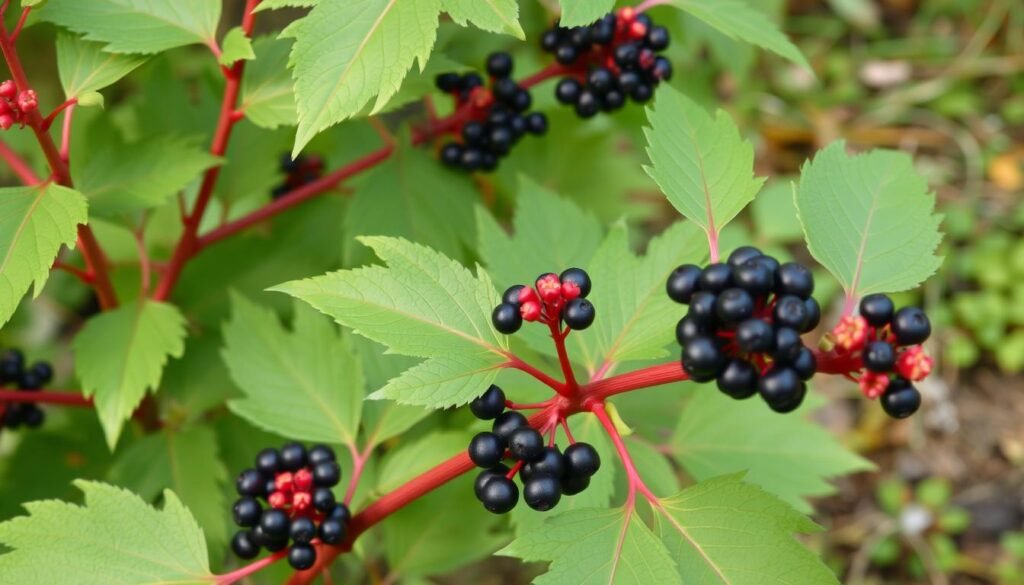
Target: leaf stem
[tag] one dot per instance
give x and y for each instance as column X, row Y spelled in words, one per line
column 45, row 397
column 358, row 465
column 65, row 134
column 658, row 375
column 518, row 364
column 636, row 483
column 49, row 120
column 20, row 24
column 18, row 165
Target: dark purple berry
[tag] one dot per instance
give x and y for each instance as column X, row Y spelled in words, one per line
column 549, row 462
column 790, row 311
column 738, row 379
column 782, row 389
column 303, row 530
column 326, row 474
column 507, row 423
column 499, row 64
column 735, row 305
column 499, row 495
column 900, row 399
column 794, row 279
column 275, row 523
column 879, row 356
column 805, row 364
column 506, row 318
column 715, row 277
column 524, row 444
column 542, row 493
column 702, row 307
column 877, row 309
column 578, row 314
column 568, row 91
column 682, row 283
column 579, row 277
column 246, row 512
column 490, row 404
column 755, row 335
column 487, row 475
column 486, row 450
column 244, row 545
column 911, row 326
column 293, row 457
column 301, row 556
column 581, row 460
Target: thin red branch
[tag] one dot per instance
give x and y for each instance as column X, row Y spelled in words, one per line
column 21, row 24
column 75, row 271
column 18, row 165
column 46, row 397
column 65, row 134
column 49, row 120
column 632, row 475
column 658, row 375
column 518, row 364
column 563, row 357
column 251, row 568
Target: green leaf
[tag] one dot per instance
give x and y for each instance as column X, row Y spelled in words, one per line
column 789, row 456
column 500, row 16
column 114, row 538
column 137, row 26
column 726, row 531
column 549, row 233
column 373, row 44
column 702, row 164
column 34, row 223
column 307, row 384
column 124, row 178
column 737, row 19
column 276, row 4
column 267, row 96
column 185, row 461
column 85, row 68
column 593, row 546
column 869, row 219
column 121, row 354
column 629, row 293
column 237, row 46
column 422, row 305
column 774, row 214
column 383, row 420
column 583, row 12
column 413, row 197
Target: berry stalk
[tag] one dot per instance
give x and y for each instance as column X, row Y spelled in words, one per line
column 18, row 165
column 250, row 569
column 636, row 483
column 46, row 397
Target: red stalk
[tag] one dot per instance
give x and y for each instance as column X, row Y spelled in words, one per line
column 45, row 397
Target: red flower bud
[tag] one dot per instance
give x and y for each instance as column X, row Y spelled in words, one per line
column 27, row 101
column 303, row 480
column 277, row 500
column 302, row 501
column 6, row 121
column 570, row 290
column 873, row 384
column 8, row 90
column 285, row 482
column 914, row 363
column 530, row 311
column 851, row 333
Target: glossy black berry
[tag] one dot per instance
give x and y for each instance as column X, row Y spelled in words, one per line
column 770, row 263
column 293, row 457
column 32, row 416
column 506, row 318
column 628, row 80
column 303, row 530
column 600, row 80
column 682, row 283
column 446, row 82
column 525, row 444
column 587, row 104
column 879, row 356
column 715, row 278
column 549, row 462
column 813, row 310
column 790, row 311
column 626, row 55
column 568, row 91
column 911, row 326
column 43, row 371
column 341, row 513
column 244, row 545
column 332, row 531
column 250, row 483
column 550, row 40
column 537, row 123
column 787, row 345
column 755, row 335
column 511, row 295
column 323, row 499
column 900, row 399
column 877, row 309
column 782, row 389
column 642, row 93
column 794, row 279
column 320, row 454
column 451, row 154
column 487, row 475
column 490, row 404
column 499, row 64
column 301, row 556
column 738, row 379
column 268, row 461
column 11, row 365
column 499, row 495
column 507, row 423
column 579, row 277
column 613, row 100
column 688, row 328
column 486, row 450
column 658, row 38
column 702, row 359
column 472, row 159
column 578, row 314
column 734, row 305
column 326, row 474
column 805, row 364
column 702, row 308
column 581, row 460
column 753, row 277
column 246, row 512
column 542, row 493
column 566, row 54
column 275, row 523
column 29, row 381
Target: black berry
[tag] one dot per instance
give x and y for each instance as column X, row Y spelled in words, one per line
column 293, row 457
column 911, row 326
column 323, row 499
column 900, row 399
column 490, row 404
column 244, row 545
column 542, row 493
column 715, row 278
column 782, row 389
column 506, row 318
column 268, row 461
column 579, row 314
column 246, row 512
column 301, row 556
column 877, row 309
column 574, row 484
column 499, row 495
column 486, row 450
column 703, row 359
column 320, row 454
column 805, row 364
column 790, row 311
column 507, row 423
column 741, row 255
column 734, row 305
column 326, row 474
column 794, row 279
column 487, row 475
column 738, row 379
column 250, row 483
column 879, row 356
column 549, row 462
column 274, row 523
column 581, row 459
column 755, row 335
column 303, row 530
column 499, row 64
column 525, row 444
column 332, row 531
column 579, row 277
column 682, row 283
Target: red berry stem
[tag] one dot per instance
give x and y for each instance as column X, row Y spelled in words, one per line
column 563, row 356
column 636, row 483
column 46, row 397
column 18, row 165
column 20, row 24
column 50, row 119
column 254, row 567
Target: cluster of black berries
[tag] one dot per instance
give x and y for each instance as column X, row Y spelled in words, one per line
column 554, row 299
column 496, row 118
column 14, row 372
column 296, row 485
column 298, row 172
column 744, row 324
column 889, row 344
column 547, row 474
column 613, row 60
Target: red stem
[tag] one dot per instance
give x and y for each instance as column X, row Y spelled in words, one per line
column 45, row 397
column 18, row 165
column 666, row 373
column 635, row 481
column 358, row 465
column 518, row 364
column 239, row 574
column 563, row 357
column 49, row 120
column 82, row 275
column 21, row 24
column 65, row 134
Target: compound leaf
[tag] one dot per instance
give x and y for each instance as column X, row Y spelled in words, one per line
column 114, row 538
column 120, row 354
column 349, row 51
column 500, row 16
column 729, row 532
column 267, row 96
column 34, row 223
column 84, row 66
column 702, row 164
column 137, row 26
column 304, row 384
column 869, row 219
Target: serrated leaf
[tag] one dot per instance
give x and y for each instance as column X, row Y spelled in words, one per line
column 629, row 292
column 85, row 68
column 702, row 164
column 114, row 538
column 306, row 384
column 725, row 531
column 267, row 96
column 237, row 46
column 186, row 462
column 137, row 26
column 383, row 420
column 597, row 546
column 583, row 12
column 120, row 355
column 789, row 456
column 34, row 223
column 736, row 19
column 548, row 233
column 413, row 197
column 869, row 219
column 124, row 178
column 774, row 214
column 373, row 44
column 423, row 304
column 500, row 16
column 277, row 4
column 444, row 381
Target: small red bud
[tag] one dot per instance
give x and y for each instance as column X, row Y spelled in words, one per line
column 285, row 482
column 303, row 480
column 528, row 295
column 302, row 500
column 8, row 90
column 27, row 101
column 550, row 288
column 638, row 30
column 530, row 311
column 570, row 290
column 627, row 13
column 873, row 384
column 915, row 363
column 6, row 121
column 851, row 333
column 646, row 58
column 277, row 500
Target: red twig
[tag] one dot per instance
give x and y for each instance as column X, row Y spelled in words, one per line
column 648, row 377
column 65, row 134
column 46, row 397
column 358, row 465
column 518, row 364
column 21, row 24
column 563, row 357
column 251, row 568
column 49, row 120
column 82, row 275
column 18, row 165
column 632, row 475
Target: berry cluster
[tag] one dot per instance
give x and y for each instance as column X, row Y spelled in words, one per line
column 296, row 485
column 14, row 104
column 888, row 342
column 13, row 371
column 553, row 299
column 547, row 473
column 298, row 172
column 616, row 59
column 744, row 324
column 497, row 117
